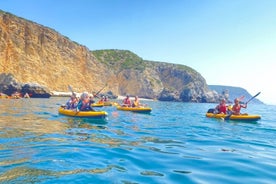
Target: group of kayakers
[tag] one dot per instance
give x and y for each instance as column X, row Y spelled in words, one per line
column 84, row 102
column 222, row 108
column 103, row 100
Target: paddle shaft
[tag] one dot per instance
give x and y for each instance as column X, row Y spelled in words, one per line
column 253, row 97
column 100, row 91
column 71, row 89
column 228, row 117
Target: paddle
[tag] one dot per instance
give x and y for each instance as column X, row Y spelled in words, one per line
column 241, row 98
column 73, row 93
column 253, row 97
column 71, row 89
column 228, row 117
column 96, row 95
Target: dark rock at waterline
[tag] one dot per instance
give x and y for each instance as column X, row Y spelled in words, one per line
column 111, row 95
column 9, row 85
column 168, row 95
column 191, row 95
column 35, row 90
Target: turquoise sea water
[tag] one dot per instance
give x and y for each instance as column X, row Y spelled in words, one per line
column 176, row 143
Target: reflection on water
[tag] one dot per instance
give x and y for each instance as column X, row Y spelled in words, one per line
column 16, row 126
column 172, row 144
column 32, row 175
column 86, row 123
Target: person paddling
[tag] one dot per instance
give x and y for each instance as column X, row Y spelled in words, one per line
column 237, row 107
column 84, row 103
column 126, row 102
column 72, row 102
column 221, row 108
column 101, row 101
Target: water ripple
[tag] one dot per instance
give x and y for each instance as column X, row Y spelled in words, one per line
column 176, row 143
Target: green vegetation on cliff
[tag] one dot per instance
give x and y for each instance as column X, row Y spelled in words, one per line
column 120, row 59
column 187, row 68
column 125, row 59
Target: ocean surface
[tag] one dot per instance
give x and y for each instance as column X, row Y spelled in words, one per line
column 175, row 143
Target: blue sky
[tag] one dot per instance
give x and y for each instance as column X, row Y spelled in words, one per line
column 230, row 42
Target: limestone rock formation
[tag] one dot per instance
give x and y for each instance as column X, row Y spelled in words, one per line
column 35, row 54
column 168, row 95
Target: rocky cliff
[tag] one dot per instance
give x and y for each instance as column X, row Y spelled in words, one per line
column 33, row 53
column 231, row 92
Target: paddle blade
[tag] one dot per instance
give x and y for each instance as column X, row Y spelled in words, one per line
column 241, row 98
column 253, row 97
column 256, row 95
column 227, row 117
column 70, row 88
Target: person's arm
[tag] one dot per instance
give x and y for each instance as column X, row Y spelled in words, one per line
column 244, row 105
column 79, row 106
column 68, row 104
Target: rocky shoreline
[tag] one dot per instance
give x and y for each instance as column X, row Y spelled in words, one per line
column 10, row 86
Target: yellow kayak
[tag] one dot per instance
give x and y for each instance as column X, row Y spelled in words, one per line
column 101, row 104
column 82, row 114
column 108, row 103
column 4, row 97
column 241, row 117
column 97, row 105
column 135, row 109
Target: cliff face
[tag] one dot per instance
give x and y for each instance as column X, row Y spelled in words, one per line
column 164, row 81
column 34, row 53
